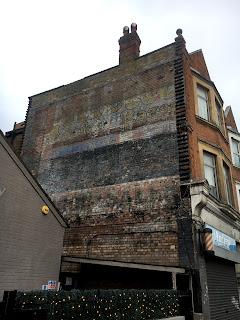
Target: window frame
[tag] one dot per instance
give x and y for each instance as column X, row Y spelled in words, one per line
column 206, row 99
column 214, row 158
column 233, row 140
column 227, row 184
column 238, row 194
column 219, row 115
column 210, row 116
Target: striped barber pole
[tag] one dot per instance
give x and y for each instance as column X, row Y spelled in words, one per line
column 208, row 239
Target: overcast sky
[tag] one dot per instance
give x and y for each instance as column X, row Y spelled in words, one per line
column 48, row 43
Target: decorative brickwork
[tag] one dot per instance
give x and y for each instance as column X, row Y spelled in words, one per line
column 181, row 118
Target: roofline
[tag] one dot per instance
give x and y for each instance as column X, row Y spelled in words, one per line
column 16, row 131
column 232, row 130
column 102, row 71
column 196, row 51
column 34, row 183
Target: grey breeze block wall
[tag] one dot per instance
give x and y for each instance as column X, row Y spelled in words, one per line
column 105, row 149
column 30, row 243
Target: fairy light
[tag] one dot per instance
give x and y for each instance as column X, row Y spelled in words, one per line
column 105, row 305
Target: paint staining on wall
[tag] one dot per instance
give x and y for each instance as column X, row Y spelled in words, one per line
column 105, row 149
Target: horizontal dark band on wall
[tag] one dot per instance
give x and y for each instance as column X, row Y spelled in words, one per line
column 144, row 132
column 130, row 161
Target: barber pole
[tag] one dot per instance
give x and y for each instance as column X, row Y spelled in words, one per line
column 208, row 240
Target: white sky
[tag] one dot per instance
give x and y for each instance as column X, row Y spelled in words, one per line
column 48, row 43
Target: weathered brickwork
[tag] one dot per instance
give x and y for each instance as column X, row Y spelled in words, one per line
column 121, row 103
column 148, row 201
column 132, row 222
column 15, row 137
column 130, row 161
column 105, row 149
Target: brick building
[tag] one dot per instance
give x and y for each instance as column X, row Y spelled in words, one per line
column 137, row 157
column 15, row 137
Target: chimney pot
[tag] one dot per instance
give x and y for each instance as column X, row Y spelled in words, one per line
column 129, row 44
column 133, row 27
column 179, row 32
column 125, row 30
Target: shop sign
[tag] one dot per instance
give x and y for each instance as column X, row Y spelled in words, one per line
column 220, row 239
column 52, row 285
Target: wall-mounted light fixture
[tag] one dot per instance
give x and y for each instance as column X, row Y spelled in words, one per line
column 45, row 209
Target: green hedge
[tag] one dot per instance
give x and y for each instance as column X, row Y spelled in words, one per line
column 101, row 304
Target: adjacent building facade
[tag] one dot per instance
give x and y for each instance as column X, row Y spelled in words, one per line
column 15, row 137
column 31, row 228
column 141, row 161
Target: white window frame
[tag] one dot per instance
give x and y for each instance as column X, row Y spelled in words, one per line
column 214, row 168
column 236, row 154
column 204, row 98
column 219, row 114
column 236, row 137
column 227, row 183
column 238, row 194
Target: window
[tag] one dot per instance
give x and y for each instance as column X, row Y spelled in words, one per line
column 238, row 194
column 203, row 110
column 210, row 172
column 239, row 198
column 227, row 181
column 219, row 114
column 236, row 152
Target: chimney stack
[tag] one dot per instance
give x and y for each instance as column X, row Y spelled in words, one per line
column 129, row 44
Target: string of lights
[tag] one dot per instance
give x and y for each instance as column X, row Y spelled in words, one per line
column 102, row 304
